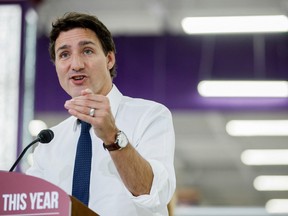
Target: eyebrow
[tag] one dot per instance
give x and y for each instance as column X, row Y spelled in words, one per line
column 81, row 43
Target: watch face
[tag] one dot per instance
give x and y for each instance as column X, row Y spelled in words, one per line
column 122, row 140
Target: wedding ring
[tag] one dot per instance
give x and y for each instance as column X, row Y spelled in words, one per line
column 92, row 112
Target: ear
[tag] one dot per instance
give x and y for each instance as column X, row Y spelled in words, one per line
column 110, row 60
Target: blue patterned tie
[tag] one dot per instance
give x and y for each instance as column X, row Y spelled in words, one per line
column 82, row 168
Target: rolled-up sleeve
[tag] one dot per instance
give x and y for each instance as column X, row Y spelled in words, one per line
column 162, row 190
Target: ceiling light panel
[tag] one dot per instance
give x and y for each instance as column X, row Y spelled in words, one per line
column 235, row 24
column 233, row 88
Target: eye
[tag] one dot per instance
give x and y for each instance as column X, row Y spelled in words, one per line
column 63, row 55
column 88, row 51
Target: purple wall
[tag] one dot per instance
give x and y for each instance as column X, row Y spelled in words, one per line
column 168, row 68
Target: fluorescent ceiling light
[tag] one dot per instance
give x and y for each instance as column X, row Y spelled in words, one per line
column 260, row 157
column 221, row 88
column 277, row 206
column 257, row 128
column 235, row 24
column 271, row 183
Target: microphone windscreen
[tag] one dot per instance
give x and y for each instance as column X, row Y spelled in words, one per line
column 45, row 136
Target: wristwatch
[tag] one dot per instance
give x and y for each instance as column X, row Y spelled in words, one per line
column 120, row 142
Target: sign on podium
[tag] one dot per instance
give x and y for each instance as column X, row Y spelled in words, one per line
column 27, row 195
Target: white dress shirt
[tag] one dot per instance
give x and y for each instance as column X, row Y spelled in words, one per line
column 149, row 128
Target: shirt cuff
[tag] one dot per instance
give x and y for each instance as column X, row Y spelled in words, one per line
column 162, row 189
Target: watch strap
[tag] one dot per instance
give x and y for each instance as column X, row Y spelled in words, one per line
column 111, row 147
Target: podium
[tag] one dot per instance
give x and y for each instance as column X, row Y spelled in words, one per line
column 22, row 194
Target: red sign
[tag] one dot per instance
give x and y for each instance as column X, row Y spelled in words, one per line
column 27, row 195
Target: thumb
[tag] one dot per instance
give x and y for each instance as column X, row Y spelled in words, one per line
column 86, row 91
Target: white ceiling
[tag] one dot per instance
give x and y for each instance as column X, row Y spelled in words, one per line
column 206, row 158
column 154, row 16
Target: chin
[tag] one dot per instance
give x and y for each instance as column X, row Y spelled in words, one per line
column 75, row 92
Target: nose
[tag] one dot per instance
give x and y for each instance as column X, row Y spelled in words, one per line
column 77, row 63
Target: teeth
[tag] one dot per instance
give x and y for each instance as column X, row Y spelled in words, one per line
column 78, row 77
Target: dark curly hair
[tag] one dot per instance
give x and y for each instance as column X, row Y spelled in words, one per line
column 80, row 20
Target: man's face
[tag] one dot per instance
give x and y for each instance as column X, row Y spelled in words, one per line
column 81, row 63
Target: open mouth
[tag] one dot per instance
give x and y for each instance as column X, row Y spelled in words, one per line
column 81, row 77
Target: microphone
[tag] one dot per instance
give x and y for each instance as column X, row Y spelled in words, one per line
column 45, row 136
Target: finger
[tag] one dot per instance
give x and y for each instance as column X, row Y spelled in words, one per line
column 77, row 108
column 100, row 117
column 91, row 100
column 86, row 91
column 84, row 106
column 91, row 96
column 81, row 116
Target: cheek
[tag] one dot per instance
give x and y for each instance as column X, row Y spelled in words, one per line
column 60, row 69
column 61, row 75
column 101, row 65
column 62, row 80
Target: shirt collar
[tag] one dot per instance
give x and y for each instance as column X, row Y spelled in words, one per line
column 115, row 97
column 76, row 122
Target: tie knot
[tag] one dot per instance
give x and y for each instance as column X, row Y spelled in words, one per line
column 85, row 127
